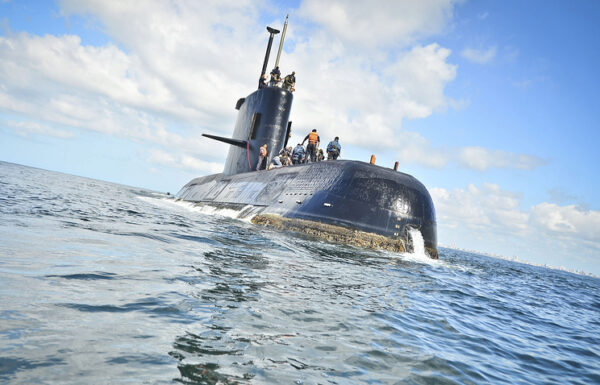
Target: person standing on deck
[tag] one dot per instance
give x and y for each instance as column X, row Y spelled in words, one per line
column 262, row 156
column 275, row 77
column 298, row 154
column 320, row 155
column 289, row 82
column 313, row 143
column 333, row 149
column 263, row 81
column 285, row 156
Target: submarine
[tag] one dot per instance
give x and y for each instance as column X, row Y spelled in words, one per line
column 347, row 201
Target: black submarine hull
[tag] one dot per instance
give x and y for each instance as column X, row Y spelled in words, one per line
column 347, row 201
column 344, row 193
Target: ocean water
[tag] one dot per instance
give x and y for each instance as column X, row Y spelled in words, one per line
column 107, row 284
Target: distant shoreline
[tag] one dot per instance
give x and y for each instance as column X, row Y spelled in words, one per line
column 515, row 259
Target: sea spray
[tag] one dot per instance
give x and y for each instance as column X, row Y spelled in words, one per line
column 417, row 242
column 241, row 214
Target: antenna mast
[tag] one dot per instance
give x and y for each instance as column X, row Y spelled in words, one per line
column 272, row 31
column 281, row 41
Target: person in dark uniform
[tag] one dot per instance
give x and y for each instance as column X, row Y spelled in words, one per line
column 275, row 77
column 313, row 143
column 289, row 82
column 263, row 81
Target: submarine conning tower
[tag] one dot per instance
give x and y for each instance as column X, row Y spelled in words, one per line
column 263, row 118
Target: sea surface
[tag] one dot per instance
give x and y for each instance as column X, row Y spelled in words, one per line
column 108, row 284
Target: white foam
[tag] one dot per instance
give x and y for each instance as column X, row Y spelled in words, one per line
column 418, row 242
column 419, row 254
column 245, row 214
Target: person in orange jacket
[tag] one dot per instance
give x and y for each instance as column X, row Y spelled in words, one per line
column 262, row 156
column 313, row 143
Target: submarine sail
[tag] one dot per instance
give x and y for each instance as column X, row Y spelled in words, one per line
column 339, row 200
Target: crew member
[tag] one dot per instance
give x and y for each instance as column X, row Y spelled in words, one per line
column 320, row 155
column 275, row 77
column 298, row 154
column 275, row 163
column 278, row 160
column 263, row 81
column 262, row 158
column 286, row 156
column 333, row 149
column 289, row 82
column 313, row 143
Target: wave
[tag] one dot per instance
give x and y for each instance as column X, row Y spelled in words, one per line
column 244, row 214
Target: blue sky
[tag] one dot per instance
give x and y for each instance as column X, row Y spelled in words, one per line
column 491, row 104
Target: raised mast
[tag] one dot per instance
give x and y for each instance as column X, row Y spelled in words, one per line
column 272, row 32
column 281, row 41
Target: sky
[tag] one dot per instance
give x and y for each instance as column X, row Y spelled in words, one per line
column 492, row 105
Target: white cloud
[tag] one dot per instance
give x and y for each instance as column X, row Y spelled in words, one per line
column 32, row 128
column 479, row 158
column 561, row 196
column 487, row 207
column 193, row 57
column 382, row 23
column 56, row 80
column 479, row 56
column 491, row 219
column 526, row 84
column 183, row 65
column 570, row 221
column 417, row 81
column 366, row 109
column 414, row 148
column 183, row 161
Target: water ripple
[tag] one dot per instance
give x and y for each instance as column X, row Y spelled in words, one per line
column 103, row 283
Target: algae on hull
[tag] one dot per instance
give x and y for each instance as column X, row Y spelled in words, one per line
column 331, row 233
column 336, row 234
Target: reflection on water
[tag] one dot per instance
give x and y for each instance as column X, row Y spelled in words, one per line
column 102, row 283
